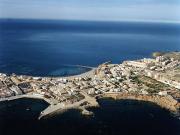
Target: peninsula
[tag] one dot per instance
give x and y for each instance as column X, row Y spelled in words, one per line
column 150, row 79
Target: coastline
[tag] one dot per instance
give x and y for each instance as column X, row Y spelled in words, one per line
column 128, row 80
column 58, row 108
column 166, row 102
column 89, row 73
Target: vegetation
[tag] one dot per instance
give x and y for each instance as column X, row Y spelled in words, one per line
column 156, row 54
column 153, row 85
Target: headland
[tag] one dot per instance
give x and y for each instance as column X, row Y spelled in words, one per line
column 150, row 79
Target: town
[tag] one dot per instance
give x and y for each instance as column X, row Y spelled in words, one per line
column 157, row 79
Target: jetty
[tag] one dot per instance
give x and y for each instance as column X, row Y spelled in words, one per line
column 62, row 107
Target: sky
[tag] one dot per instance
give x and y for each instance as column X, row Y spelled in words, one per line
column 104, row 10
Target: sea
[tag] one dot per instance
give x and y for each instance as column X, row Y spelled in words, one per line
column 67, row 47
column 64, row 47
column 113, row 117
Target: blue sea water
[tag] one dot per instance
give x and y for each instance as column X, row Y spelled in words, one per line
column 51, row 48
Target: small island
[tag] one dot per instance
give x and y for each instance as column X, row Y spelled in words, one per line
column 155, row 80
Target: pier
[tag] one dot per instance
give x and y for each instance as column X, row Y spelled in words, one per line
column 61, row 107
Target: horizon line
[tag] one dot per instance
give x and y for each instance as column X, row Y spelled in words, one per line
column 90, row 20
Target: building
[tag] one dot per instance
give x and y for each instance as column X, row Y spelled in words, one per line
column 25, row 87
column 136, row 64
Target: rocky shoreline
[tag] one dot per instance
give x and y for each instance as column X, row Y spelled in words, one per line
column 166, row 102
